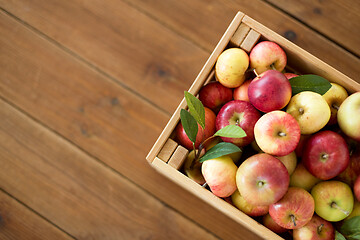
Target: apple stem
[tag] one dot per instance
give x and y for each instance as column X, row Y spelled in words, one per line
column 204, row 185
column 319, row 228
column 335, row 106
column 273, row 66
column 282, row 134
column 293, row 219
column 301, row 110
column 254, row 70
column 334, row 205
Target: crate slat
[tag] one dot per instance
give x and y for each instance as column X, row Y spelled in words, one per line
column 239, row 35
column 250, row 40
column 178, row 158
column 167, row 150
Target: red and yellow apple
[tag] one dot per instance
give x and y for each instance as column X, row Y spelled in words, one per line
column 349, row 116
column 277, row 133
column 272, row 225
column 214, row 95
column 246, row 207
column 241, row 93
column 334, row 97
column 316, row 228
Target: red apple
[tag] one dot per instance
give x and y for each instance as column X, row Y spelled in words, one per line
column 241, row 93
column 317, row 228
column 294, row 210
column 239, row 113
column 246, row 207
column 326, row 154
column 267, row 55
column 353, row 170
column 357, row 188
column 300, row 147
column 277, row 133
column 290, row 75
column 262, row 179
column 214, row 95
column 202, row 135
column 272, row 225
column 270, row 91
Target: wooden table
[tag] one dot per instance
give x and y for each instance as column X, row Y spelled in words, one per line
column 86, row 88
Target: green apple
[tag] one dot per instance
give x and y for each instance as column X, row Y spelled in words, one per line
column 334, row 97
column 334, row 200
column 349, row 116
column 310, row 110
column 302, row 178
column 289, row 161
column 231, row 66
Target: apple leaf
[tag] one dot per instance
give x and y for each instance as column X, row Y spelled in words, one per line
column 196, row 108
column 220, row 150
column 339, row 236
column 351, row 228
column 189, row 124
column 231, row 131
column 309, row 82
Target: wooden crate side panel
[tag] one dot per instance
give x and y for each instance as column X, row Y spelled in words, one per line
column 252, row 229
column 195, row 87
column 301, row 60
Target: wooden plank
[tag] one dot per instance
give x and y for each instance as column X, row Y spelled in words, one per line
column 254, row 229
column 337, row 20
column 178, row 158
column 19, row 222
column 239, row 35
column 167, row 150
column 76, row 192
column 203, row 22
column 100, row 33
column 250, row 40
column 110, row 123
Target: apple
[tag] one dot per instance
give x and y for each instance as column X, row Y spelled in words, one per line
column 267, row 55
column 316, row 228
column 193, row 171
column 333, row 200
column 349, row 116
column 248, row 208
column 262, row 179
column 294, row 210
column 353, row 170
column 202, row 135
column 334, row 97
column 277, row 133
column 220, row 175
column 241, row 113
column 270, row 91
column 311, row 111
column 241, row 93
column 356, row 210
column 326, row 155
column 290, row 75
column 214, row 95
column 357, row 188
column 272, row 225
column 300, row 147
column 302, row 178
column 289, row 161
column 230, row 67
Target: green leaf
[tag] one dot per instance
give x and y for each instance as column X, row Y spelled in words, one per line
column 356, row 236
column 196, row 108
column 351, row 227
column 339, row 236
column 231, row 131
column 189, row 124
column 220, row 150
column 309, row 82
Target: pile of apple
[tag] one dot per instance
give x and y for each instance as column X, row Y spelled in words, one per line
column 300, row 161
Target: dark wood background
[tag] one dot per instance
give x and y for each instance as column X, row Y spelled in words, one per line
column 86, row 88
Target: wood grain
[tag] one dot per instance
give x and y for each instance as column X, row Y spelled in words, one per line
column 19, row 222
column 203, row 22
column 120, row 41
column 110, row 123
column 76, row 192
column 337, row 20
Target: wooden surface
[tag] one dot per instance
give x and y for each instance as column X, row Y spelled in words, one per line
column 86, row 88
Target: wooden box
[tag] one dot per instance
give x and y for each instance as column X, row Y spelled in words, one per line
column 167, row 156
